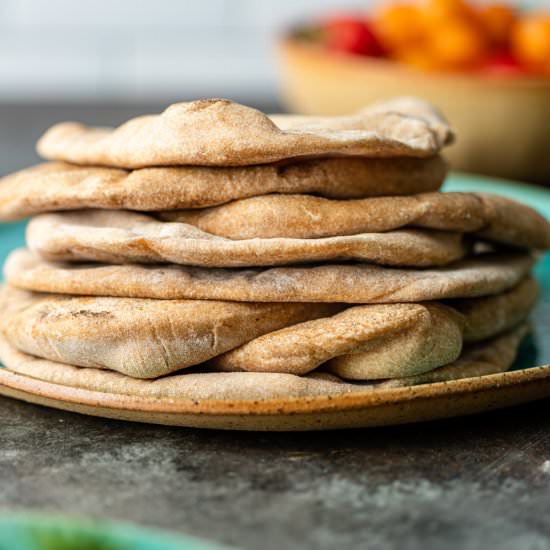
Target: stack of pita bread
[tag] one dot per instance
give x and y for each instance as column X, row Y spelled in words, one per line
column 214, row 252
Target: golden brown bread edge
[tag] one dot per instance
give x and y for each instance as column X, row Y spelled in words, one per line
column 151, row 338
column 257, row 391
column 56, row 186
column 494, row 217
column 383, row 341
column 218, row 132
column 480, row 275
column 125, row 237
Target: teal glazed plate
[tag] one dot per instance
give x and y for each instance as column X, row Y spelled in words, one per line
column 29, row 532
column 529, row 379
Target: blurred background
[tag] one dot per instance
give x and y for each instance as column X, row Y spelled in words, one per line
column 144, row 50
column 101, row 62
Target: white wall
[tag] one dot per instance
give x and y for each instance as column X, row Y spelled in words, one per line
column 144, row 49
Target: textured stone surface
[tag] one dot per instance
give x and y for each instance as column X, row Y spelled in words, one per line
column 467, row 483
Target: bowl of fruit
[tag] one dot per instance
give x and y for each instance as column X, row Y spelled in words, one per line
column 487, row 66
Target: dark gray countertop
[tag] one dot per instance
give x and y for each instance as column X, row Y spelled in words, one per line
column 471, row 483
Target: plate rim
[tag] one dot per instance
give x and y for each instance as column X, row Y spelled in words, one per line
column 115, row 530
column 368, row 399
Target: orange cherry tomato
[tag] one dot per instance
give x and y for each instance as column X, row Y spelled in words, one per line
column 531, row 42
column 399, row 26
column 458, row 45
column 443, row 10
column 497, row 21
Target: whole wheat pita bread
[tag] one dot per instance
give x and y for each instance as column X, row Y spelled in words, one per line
column 218, row 132
column 490, row 357
column 480, row 318
column 400, row 339
column 123, row 237
column 382, row 341
column 140, row 338
column 148, row 338
column 490, row 315
column 352, row 283
column 487, row 357
column 60, row 186
column 305, row 217
column 252, row 386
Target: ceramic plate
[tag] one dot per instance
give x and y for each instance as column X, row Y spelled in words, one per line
column 31, row 532
column 529, row 378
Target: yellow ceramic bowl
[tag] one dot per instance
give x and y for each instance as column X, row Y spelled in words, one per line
column 502, row 121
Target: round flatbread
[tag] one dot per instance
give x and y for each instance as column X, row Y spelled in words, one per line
column 490, row 357
column 123, row 237
column 383, row 341
column 218, row 132
column 151, row 338
column 56, row 186
column 352, row 283
column 306, row 217
column 140, row 338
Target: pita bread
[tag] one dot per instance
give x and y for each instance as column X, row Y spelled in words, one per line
column 492, row 356
column 480, row 318
column 487, row 357
column 150, row 338
column 382, row 341
column 60, row 186
column 353, row 283
column 252, row 386
column 490, row 315
column 218, row 132
column 140, row 338
column 307, row 217
column 123, row 237
column 399, row 339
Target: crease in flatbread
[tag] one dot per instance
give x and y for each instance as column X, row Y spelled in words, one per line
column 383, row 341
column 138, row 337
column 391, row 339
column 489, row 357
